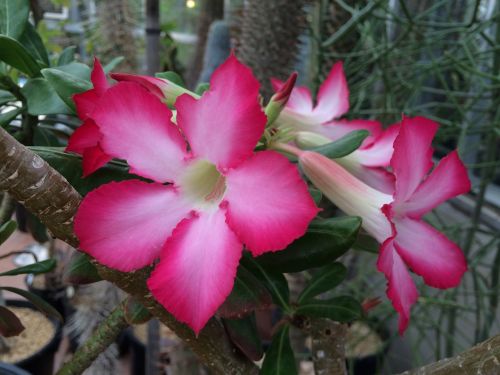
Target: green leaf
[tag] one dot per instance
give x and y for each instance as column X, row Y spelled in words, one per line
column 34, row 45
column 316, row 195
column 6, row 96
column 10, row 325
column 14, row 54
column 80, row 270
column 43, row 266
column 339, row 309
column 367, row 243
column 76, row 69
column 44, row 137
column 275, row 282
column 67, row 56
column 66, row 84
column 325, row 241
column 112, row 64
column 135, row 312
column 13, row 17
column 42, row 99
column 279, row 359
column 244, row 335
column 344, row 146
column 201, row 88
column 248, row 294
column 324, row 280
column 6, row 230
column 7, row 117
column 36, row 228
column 70, row 166
column 39, row 303
column 172, row 77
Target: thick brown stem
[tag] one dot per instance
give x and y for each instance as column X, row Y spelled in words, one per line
column 328, row 347
column 43, row 191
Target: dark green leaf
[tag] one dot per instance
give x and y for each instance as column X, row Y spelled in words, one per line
column 67, row 56
column 14, row 54
column 36, row 228
column 66, row 84
column 70, row 166
column 13, row 17
column 80, row 270
column 364, row 242
column 244, row 335
column 135, row 312
column 344, row 146
column 42, row 99
column 112, row 64
column 6, row 230
column 275, row 282
column 279, row 359
column 7, row 117
column 39, row 303
column 37, row 268
column 325, row 241
column 10, row 325
column 6, row 96
column 201, row 88
column 44, row 137
column 316, row 195
column 248, row 294
column 339, row 309
column 172, row 77
column 34, row 45
column 324, row 280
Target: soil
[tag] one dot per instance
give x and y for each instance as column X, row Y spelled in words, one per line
column 39, row 331
column 362, row 341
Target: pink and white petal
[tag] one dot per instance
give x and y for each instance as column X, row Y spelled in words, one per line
column 300, row 100
column 93, row 159
column 197, row 268
column 446, row 181
column 337, row 129
column 98, row 78
column 226, row 123
column 85, row 103
column 412, row 157
column 85, row 136
column 125, row 224
column 378, row 178
column 401, row 289
column 333, row 95
column 429, row 253
column 268, row 205
column 137, row 127
column 152, row 84
column 379, row 153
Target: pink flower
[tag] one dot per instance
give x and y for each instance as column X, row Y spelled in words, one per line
column 220, row 195
column 396, row 220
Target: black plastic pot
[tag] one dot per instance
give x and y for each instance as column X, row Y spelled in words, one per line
column 6, row 369
column 129, row 343
column 57, row 297
column 41, row 362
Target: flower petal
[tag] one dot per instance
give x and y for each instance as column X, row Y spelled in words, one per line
column 338, row 128
column 300, row 100
column 412, row 156
column 226, row 123
column 401, row 289
column 124, row 225
column 446, row 181
column 98, row 78
column 85, row 103
column 379, row 153
column 333, row 95
column 85, row 136
column 136, row 126
column 197, row 268
column 93, row 159
column 429, row 253
column 268, row 205
column 152, row 84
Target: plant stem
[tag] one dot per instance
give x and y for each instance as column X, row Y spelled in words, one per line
column 6, row 208
column 104, row 335
column 328, row 347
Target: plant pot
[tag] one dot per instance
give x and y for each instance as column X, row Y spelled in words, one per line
column 6, row 369
column 366, row 359
column 56, row 297
column 41, row 362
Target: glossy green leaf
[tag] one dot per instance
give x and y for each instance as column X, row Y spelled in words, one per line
column 325, row 241
column 14, row 54
column 34, row 45
column 80, row 270
column 135, row 312
column 316, row 195
column 13, row 17
column 112, row 64
column 344, row 146
column 45, row 137
column 244, row 335
column 6, row 230
column 364, row 242
column 42, row 99
column 43, row 266
column 39, row 303
column 7, row 117
column 66, row 84
column 275, row 282
column 6, row 97
column 324, row 280
column 70, row 166
column 67, row 56
column 10, row 325
column 201, row 88
column 279, row 359
column 76, row 69
column 339, row 309
column 248, row 294
column 172, row 77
